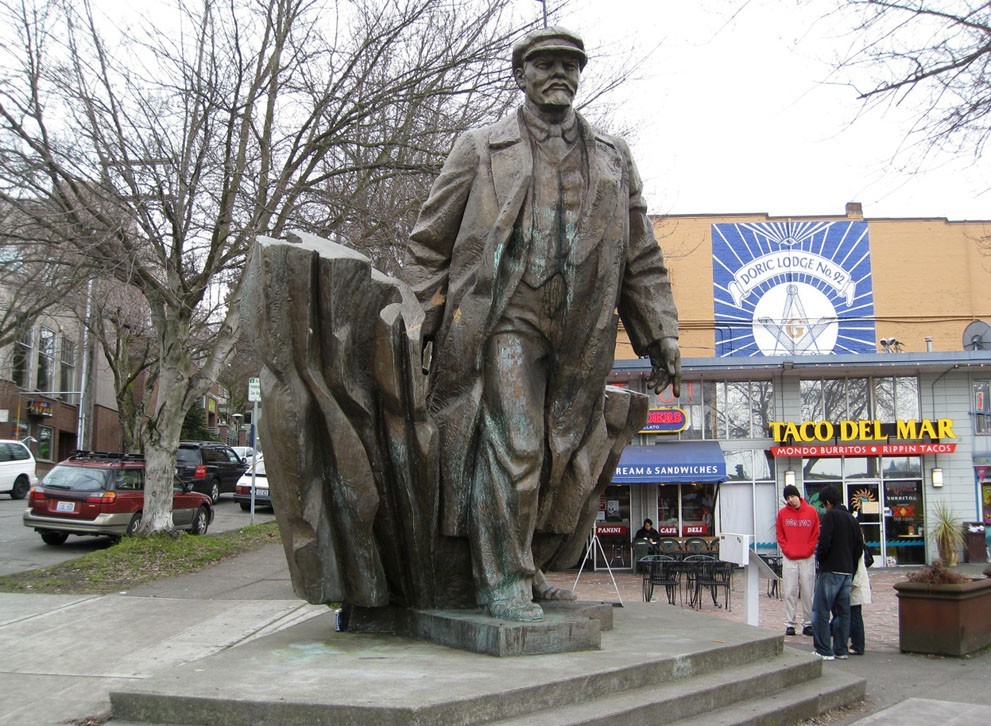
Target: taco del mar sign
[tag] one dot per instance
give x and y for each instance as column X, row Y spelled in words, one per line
column 812, row 438
column 808, row 431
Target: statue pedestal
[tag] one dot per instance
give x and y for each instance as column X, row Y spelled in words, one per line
column 659, row 664
column 566, row 627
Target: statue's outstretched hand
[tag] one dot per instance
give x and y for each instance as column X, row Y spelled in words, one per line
column 665, row 359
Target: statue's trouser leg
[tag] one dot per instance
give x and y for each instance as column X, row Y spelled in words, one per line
column 508, row 466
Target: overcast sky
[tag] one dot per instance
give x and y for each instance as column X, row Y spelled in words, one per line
column 743, row 114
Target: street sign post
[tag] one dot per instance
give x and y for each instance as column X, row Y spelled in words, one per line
column 254, row 396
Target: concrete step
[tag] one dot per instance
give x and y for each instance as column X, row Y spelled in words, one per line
column 683, row 698
column 791, row 705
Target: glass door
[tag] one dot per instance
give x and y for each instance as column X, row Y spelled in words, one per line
column 864, row 501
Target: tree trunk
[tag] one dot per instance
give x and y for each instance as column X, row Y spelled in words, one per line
column 159, row 473
column 175, row 392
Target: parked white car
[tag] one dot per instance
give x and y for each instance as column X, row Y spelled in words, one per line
column 244, row 452
column 18, row 470
column 242, row 492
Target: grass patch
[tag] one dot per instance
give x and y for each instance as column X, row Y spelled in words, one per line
column 137, row 560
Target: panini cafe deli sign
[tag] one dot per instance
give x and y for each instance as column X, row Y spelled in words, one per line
column 862, row 438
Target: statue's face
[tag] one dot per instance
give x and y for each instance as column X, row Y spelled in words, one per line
column 549, row 80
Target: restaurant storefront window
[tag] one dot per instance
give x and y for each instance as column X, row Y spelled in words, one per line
column 698, row 501
column 668, row 510
column 686, row 510
column 886, row 496
column 613, row 527
column 904, row 523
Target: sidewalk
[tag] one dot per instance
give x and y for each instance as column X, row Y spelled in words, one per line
column 60, row 656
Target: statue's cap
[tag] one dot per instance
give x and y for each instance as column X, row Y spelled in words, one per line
column 549, row 40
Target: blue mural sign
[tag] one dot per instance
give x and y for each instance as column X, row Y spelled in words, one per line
column 793, row 288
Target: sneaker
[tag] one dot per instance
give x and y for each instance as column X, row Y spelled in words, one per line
column 825, row 657
column 807, row 630
column 842, row 657
column 789, row 630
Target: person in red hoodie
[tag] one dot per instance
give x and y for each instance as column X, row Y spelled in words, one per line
column 798, row 531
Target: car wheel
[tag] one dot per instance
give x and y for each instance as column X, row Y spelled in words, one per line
column 245, row 506
column 21, row 487
column 215, row 491
column 54, row 538
column 201, row 521
column 133, row 525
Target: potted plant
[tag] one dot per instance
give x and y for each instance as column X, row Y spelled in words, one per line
column 942, row 612
column 946, row 532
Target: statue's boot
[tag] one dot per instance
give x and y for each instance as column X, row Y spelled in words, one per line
column 519, row 610
column 543, row 591
column 512, row 602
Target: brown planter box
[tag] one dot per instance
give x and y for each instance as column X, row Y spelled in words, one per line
column 944, row 619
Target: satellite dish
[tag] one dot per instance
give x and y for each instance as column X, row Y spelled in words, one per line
column 977, row 336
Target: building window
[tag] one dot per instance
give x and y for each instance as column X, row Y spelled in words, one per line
column 747, row 465
column 982, row 407
column 46, row 360
column 852, row 399
column 722, row 409
column 22, row 359
column 836, row 399
column 67, row 370
column 896, row 398
column 744, row 409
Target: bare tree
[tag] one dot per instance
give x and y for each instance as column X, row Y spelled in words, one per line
column 35, row 276
column 162, row 149
column 233, row 378
column 121, row 326
column 934, row 54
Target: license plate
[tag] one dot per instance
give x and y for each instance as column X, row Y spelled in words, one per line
column 261, row 492
column 65, row 506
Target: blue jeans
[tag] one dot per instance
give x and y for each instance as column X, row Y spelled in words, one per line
column 832, row 597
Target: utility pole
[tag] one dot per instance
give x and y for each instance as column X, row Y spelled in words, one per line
column 543, row 4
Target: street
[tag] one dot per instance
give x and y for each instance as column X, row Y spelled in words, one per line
column 22, row 548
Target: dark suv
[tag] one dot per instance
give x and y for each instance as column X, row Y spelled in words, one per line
column 210, row 467
column 100, row 493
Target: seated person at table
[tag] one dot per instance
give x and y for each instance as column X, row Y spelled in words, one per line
column 650, row 534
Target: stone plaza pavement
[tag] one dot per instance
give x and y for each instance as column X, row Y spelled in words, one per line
column 902, row 688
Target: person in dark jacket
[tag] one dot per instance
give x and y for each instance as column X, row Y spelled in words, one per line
column 840, row 545
column 647, row 532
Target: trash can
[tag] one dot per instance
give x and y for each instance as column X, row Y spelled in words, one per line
column 975, row 547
